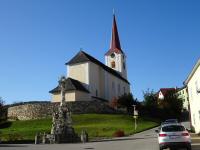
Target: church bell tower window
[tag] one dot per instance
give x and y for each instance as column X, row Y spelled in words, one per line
column 113, row 64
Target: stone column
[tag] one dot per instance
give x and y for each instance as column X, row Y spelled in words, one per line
column 62, row 87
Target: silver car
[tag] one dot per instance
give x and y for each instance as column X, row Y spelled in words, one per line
column 173, row 135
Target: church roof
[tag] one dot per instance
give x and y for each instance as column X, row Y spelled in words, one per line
column 115, row 45
column 84, row 57
column 70, row 85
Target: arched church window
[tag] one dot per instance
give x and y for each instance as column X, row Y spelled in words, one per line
column 113, row 64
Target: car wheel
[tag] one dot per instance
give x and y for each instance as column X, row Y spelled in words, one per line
column 160, row 148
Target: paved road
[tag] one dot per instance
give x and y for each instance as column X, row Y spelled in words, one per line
column 142, row 141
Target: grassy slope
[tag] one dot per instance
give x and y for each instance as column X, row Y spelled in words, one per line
column 96, row 125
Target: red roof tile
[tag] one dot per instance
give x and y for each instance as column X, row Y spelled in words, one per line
column 166, row 90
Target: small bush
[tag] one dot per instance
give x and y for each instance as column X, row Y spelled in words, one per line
column 13, row 137
column 192, row 129
column 13, row 118
column 113, row 103
column 119, row 133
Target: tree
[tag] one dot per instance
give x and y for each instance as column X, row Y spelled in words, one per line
column 127, row 101
column 150, row 104
column 171, row 105
column 1, row 108
column 114, row 103
column 150, row 99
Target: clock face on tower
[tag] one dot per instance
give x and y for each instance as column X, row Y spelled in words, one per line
column 112, row 55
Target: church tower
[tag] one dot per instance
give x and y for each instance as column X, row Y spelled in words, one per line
column 115, row 57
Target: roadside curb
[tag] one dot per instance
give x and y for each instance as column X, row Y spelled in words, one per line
column 195, row 138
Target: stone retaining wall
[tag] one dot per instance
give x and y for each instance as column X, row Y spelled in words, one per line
column 43, row 110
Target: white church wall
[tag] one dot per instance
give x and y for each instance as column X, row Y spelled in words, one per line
column 69, row 96
column 96, row 80
column 102, row 83
column 107, row 61
column 119, row 60
column 79, row 72
column 72, row 96
column 115, row 87
column 106, row 85
column 82, row 96
column 99, row 82
column 56, row 97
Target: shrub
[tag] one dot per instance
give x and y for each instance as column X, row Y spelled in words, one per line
column 119, row 133
column 13, row 118
column 1, row 109
column 12, row 137
column 114, row 103
column 127, row 101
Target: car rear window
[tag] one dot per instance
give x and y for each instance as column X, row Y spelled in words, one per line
column 172, row 121
column 173, row 128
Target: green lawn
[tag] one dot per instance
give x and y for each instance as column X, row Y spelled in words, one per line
column 97, row 126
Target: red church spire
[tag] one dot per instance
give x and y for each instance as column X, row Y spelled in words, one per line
column 115, row 42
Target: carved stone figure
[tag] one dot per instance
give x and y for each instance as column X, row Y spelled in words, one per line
column 61, row 121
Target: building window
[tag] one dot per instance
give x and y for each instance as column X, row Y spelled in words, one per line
column 118, row 89
column 96, row 92
column 191, row 94
column 124, row 90
column 124, row 65
column 197, row 87
column 113, row 64
column 113, row 88
column 194, row 119
column 199, row 114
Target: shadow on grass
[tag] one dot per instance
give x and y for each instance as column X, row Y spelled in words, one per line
column 89, row 148
column 17, row 142
column 10, row 145
column 5, row 124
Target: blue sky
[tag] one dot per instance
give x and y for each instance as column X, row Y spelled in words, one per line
column 161, row 39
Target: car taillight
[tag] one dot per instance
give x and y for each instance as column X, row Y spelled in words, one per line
column 185, row 134
column 162, row 135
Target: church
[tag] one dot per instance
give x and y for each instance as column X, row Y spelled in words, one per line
column 89, row 79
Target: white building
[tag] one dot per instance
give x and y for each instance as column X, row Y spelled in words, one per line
column 193, row 85
column 183, row 94
column 163, row 92
column 88, row 78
